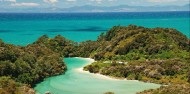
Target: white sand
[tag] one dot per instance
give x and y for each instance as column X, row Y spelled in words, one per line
column 97, row 75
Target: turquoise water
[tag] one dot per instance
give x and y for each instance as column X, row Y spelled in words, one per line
column 77, row 82
column 22, row 29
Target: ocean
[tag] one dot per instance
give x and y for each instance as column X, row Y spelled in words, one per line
column 25, row 28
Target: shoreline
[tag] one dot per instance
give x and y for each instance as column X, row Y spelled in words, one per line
column 106, row 77
column 98, row 75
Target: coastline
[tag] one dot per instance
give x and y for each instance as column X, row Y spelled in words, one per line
column 106, row 77
column 98, row 75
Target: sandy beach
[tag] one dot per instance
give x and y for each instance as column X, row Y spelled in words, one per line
column 97, row 75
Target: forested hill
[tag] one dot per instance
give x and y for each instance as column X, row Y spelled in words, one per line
column 158, row 55
column 22, row 67
column 150, row 43
column 153, row 53
column 143, row 43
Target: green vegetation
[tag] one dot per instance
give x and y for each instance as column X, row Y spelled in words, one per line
column 59, row 45
column 188, row 75
column 171, row 89
column 9, row 86
column 29, row 65
column 109, row 93
column 158, row 55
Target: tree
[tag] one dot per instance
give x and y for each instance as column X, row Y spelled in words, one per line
column 9, row 86
column 188, row 76
column 109, row 93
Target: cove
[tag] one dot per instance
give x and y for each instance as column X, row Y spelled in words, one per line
column 75, row 81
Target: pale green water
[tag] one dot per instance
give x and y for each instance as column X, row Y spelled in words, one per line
column 77, row 82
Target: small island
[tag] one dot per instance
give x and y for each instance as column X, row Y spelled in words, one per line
column 157, row 55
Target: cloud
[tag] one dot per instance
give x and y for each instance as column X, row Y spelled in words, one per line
column 71, row 0
column 98, row 1
column 111, row 0
column 25, row 4
column 7, row 0
column 50, row 1
column 161, row 1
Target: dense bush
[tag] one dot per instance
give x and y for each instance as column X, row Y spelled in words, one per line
column 109, row 93
column 172, row 89
column 159, row 55
column 9, row 86
column 29, row 65
column 58, row 44
column 188, row 77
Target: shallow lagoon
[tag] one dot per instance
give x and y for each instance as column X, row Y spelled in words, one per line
column 75, row 81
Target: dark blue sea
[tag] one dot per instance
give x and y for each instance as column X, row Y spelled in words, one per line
column 25, row 28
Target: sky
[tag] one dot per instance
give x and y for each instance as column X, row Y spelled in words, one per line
column 5, row 4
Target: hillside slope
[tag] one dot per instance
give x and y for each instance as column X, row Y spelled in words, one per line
column 158, row 55
column 26, row 66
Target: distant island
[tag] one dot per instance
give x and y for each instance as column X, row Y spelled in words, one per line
column 157, row 55
column 93, row 8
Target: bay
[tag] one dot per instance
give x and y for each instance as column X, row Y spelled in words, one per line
column 75, row 81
